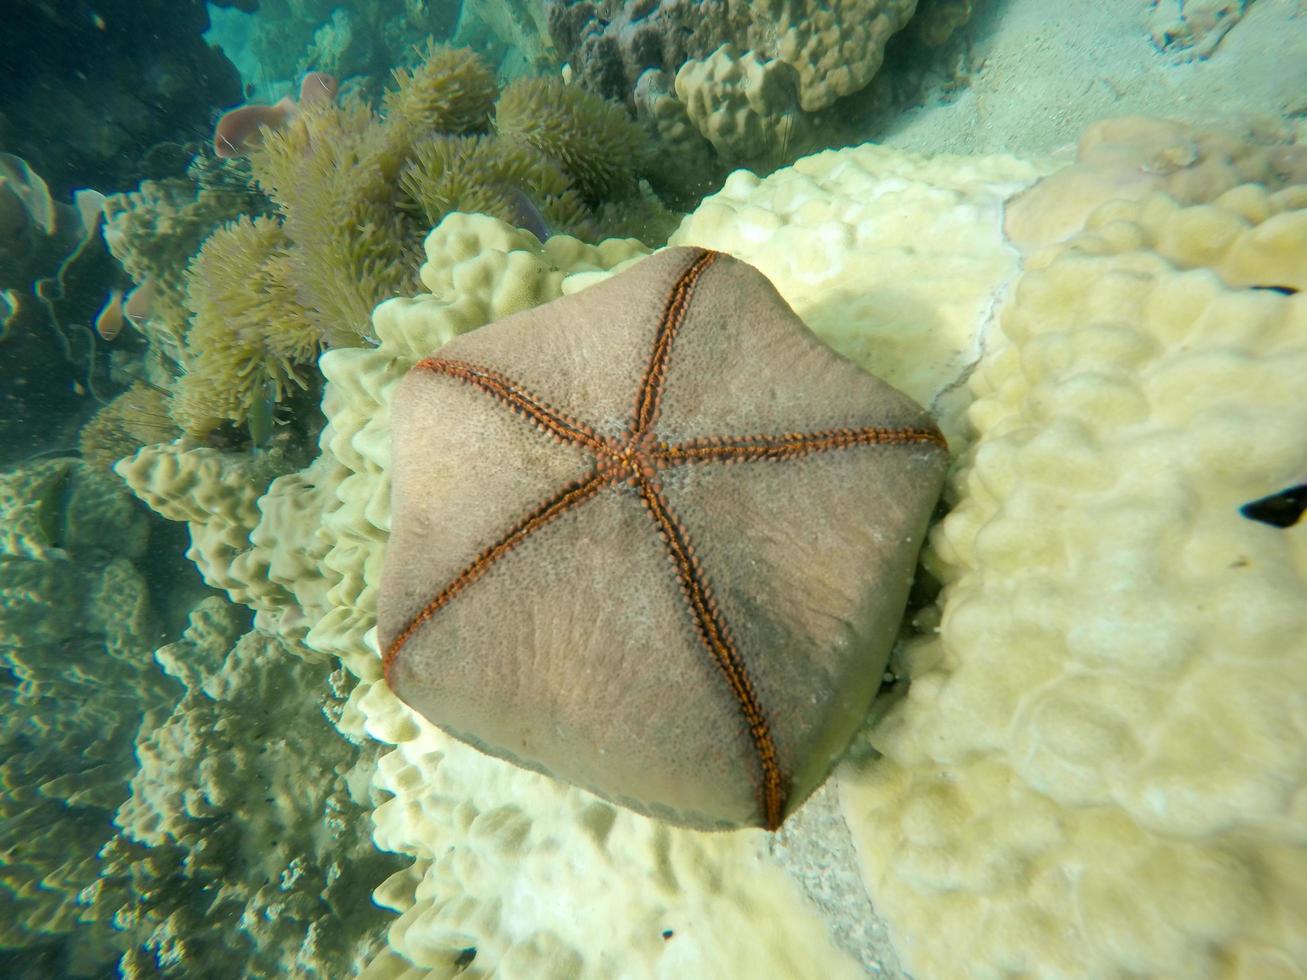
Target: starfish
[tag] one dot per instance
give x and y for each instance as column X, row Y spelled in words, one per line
column 682, row 600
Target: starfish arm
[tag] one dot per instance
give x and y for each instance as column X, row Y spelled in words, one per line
column 648, row 399
column 568, row 499
column 716, row 635
column 518, row 399
column 789, row 445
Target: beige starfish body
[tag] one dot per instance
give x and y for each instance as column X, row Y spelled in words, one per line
column 654, row 539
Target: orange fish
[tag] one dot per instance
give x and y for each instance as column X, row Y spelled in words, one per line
column 240, row 130
column 137, row 305
column 109, row 321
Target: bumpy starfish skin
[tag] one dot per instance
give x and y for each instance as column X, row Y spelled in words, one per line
column 606, row 656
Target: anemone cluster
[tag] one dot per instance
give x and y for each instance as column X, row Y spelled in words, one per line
column 353, row 191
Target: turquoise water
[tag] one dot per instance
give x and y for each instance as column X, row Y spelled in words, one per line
column 205, row 772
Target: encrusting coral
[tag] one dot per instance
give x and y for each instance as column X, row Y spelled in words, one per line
column 77, row 627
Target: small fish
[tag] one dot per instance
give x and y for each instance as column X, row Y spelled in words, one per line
column 259, row 420
column 109, row 321
column 240, row 130
column 318, row 86
column 137, row 305
column 1283, row 509
column 525, row 213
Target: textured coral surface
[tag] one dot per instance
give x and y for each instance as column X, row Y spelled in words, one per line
column 1099, row 768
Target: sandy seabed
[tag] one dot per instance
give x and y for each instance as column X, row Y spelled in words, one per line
column 1044, row 71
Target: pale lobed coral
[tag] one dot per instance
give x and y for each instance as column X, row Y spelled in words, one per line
column 217, row 495
column 894, row 259
column 1132, row 157
column 1099, row 768
column 834, row 48
column 745, row 106
column 755, row 79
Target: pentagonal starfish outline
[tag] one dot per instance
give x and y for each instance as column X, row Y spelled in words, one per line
column 636, row 459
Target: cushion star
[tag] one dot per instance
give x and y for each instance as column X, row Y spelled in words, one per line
column 654, row 539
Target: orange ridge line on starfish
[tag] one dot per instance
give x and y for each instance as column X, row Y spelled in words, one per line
column 635, row 460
